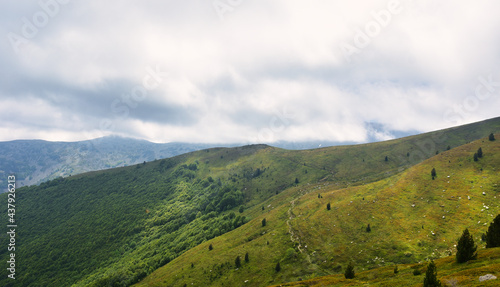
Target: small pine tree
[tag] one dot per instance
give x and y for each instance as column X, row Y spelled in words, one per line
column 368, row 228
column 430, row 279
column 210, row 247
column 386, row 158
column 493, row 233
column 448, row 147
column 328, row 206
column 396, row 271
column 237, row 262
column 263, row 207
column 278, row 267
column 192, row 265
column 349, row 271
column 476, row 158
column 246, row 257
column 466, row 250
column 433, row 173
column 480, row 153
column 264, row 222
column 296, row 180
column 491, row 137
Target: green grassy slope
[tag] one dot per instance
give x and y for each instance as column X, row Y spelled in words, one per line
column 412, row 217
column 449, row 273
column 119, row 225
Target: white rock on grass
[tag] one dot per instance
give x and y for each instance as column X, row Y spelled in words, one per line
column 487, row 277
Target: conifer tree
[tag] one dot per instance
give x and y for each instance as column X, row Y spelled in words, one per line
column 349, row 271
column 493, row 233
column 433, row 173
column 368, row 228
column 476, row 158
column 278, row 267
column 237, row 262
column 430, row 279
column 491, row 137
column 246, row 257
column 210, row 247
column 466, row 250
column 328, row 206
column 386, row 158
column 263, row 222
column 480, row 153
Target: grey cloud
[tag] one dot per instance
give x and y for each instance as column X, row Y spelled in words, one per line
column 233, row 75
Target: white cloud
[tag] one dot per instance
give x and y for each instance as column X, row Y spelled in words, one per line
column 228, row 80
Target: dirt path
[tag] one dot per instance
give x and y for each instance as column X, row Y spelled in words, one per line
column 293, row 236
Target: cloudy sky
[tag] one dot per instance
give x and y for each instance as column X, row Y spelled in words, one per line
column 245, row 71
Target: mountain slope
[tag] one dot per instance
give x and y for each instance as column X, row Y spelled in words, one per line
column 412, row 218
column 448, row 272
column 118, row 225
column 36, row 161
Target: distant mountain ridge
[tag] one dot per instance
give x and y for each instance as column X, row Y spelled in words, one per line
column 36, row 161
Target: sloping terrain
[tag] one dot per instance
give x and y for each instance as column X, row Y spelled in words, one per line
column 449, row 273
column 412, row 218
column 114, row 227
column 36, row 161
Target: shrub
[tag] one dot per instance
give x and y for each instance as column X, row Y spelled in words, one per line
column 466, row 250
column 476, row 157
column 491, row 137
column 290, row 253
column 417, row 272
column 278, row 267
column 396, row 271
column 349, row 271
column 210, row 247
column 433, row 173
column 430, row 279
column 493, row 233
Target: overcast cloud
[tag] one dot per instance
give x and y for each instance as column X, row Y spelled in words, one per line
column 245, row 71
